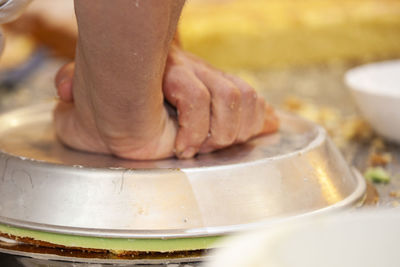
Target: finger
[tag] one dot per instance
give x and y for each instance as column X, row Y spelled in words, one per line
column 225, row 110
column 266, row 119
column 259, row 116
column 191, row 98
column 64, row 82
column 248, row 120
column 271, row 121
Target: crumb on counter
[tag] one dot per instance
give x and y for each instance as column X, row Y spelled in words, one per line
column 395, row 203
column 380, row 159
column 377, row 175
column 395, row 194
column 378, row 144
column 342, row 129
column 356, row 128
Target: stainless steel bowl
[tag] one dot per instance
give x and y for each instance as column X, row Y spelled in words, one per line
column 48, row 187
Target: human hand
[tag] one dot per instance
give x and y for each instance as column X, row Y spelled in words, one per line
column 215, row 110
column 118, row 104
column 81, row 126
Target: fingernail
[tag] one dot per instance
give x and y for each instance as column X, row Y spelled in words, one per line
column 65, row 83
column 188, row 153
column 64, row 90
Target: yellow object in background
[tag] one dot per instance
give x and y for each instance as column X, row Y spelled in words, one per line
column 260, row 34
column 17, row 49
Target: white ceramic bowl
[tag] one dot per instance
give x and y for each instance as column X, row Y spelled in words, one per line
column 361, row 239
column 376, row 90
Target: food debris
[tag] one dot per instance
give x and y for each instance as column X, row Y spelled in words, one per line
column 378, row 144
column 395, row 194
column 377, row 175
column 293, row 103
column 356, row 128
column 380, row 159
column 342, row 129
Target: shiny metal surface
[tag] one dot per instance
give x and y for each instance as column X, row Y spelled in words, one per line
column 48, row 187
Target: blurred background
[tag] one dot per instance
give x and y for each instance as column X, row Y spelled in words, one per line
column 300, row 47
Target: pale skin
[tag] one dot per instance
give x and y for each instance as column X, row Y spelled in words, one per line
column 126, row 66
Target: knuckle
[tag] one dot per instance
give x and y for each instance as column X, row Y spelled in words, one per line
column 170, row 87
column 248, row 92
column 261, row 102
column 173, row 76
column 249, row 97
column 201, row 94
column 196, row 104
column 231, row 96
column 234, row 93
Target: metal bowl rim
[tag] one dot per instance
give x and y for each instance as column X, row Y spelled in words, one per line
column 318, row 138
column 354, row 199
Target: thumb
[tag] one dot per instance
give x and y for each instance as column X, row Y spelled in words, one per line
column 64, row 82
